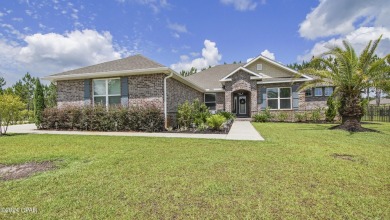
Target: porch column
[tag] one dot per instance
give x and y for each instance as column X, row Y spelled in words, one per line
column 228, row 101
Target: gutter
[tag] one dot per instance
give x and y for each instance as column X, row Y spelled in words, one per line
column 107, row 74
column 165, row 101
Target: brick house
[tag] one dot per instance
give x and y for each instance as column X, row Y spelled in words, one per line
column 242, row 89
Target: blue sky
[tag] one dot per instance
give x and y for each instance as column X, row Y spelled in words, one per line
column 50, row 36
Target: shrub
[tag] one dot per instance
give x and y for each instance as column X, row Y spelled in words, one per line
column 227, row 115
column 200, row 112
column 331, row 111
column 185, row 115
column 316, row 114
column 263, row 116
column 216, row 121
column 282, row 116
column 98, row 118
column 301, row 117
column 202, row 127
column 151, row 120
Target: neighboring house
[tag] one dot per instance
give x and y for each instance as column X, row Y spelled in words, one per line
column 383, row 101
column 243, row 89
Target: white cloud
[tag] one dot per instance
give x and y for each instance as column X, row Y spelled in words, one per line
column 177, row 28
column 194, row 54
column 341, row 17
column 210, row 57
column 176, row 35
column 242, row 5
column 17, row 19
column 358, row 39
column 155, row 5
column 45, row 54
column 249, row 59
column 180, row 28
column 268, row 54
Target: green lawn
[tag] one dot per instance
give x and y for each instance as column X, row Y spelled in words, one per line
column 291, row 175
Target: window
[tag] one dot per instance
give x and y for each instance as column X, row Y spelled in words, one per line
column 210, row 100
column 318, row 91
column 107, row 91
column 328, row 91
column 259, row 66
column 279, row 98
column 308, row 92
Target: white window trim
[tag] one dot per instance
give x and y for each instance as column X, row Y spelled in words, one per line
column 278, row 98
column 106, row 95
column 211, row 93
column 328, row 87
column 322, row 92
column 259, row 66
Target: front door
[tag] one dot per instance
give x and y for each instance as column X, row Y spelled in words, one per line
column 242, row 105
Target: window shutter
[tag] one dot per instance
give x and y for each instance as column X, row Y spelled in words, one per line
column 87, row 91
column 125, row 91
column 295, row 97
column 263, row 98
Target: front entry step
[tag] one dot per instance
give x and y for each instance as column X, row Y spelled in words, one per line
column 243, row 119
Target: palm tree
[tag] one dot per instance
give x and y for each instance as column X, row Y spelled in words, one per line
column 350, row 75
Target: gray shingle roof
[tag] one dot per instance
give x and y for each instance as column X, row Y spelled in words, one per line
column 209, row 79
column 130, row 63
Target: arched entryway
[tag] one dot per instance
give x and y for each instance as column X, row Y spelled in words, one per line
column 241, row 103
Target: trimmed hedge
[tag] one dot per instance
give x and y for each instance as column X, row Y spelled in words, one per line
column 98, row 118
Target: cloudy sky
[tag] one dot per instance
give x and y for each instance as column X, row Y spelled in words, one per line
column 49, row 36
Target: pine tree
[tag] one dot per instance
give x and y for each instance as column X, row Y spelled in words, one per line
column 39, row 103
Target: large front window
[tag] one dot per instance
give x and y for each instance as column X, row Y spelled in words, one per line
column 210, row 100
column 107, row 91
column 279, row 98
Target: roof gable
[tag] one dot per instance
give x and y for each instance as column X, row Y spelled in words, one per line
column 256, row 76
column 276, row 64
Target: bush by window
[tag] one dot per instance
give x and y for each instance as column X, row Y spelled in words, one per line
column 99, row 118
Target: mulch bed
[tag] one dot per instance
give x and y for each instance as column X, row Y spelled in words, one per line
column 19, row 171
column 360, row 129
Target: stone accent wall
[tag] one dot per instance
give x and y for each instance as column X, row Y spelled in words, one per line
column 241, row 81
column 220, row 99
column 146, row 90
column 70, row 92
column 313, row 102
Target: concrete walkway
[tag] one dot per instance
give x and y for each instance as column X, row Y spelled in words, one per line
column 235, row 133
column 243, row 130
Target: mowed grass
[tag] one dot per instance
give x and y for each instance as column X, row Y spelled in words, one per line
column 291, row 175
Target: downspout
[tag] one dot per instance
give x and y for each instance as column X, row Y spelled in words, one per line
column 165, row 101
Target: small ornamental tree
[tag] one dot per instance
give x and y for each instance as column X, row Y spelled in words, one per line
column 39, row 103
column 331, row 111
column 10, row 108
